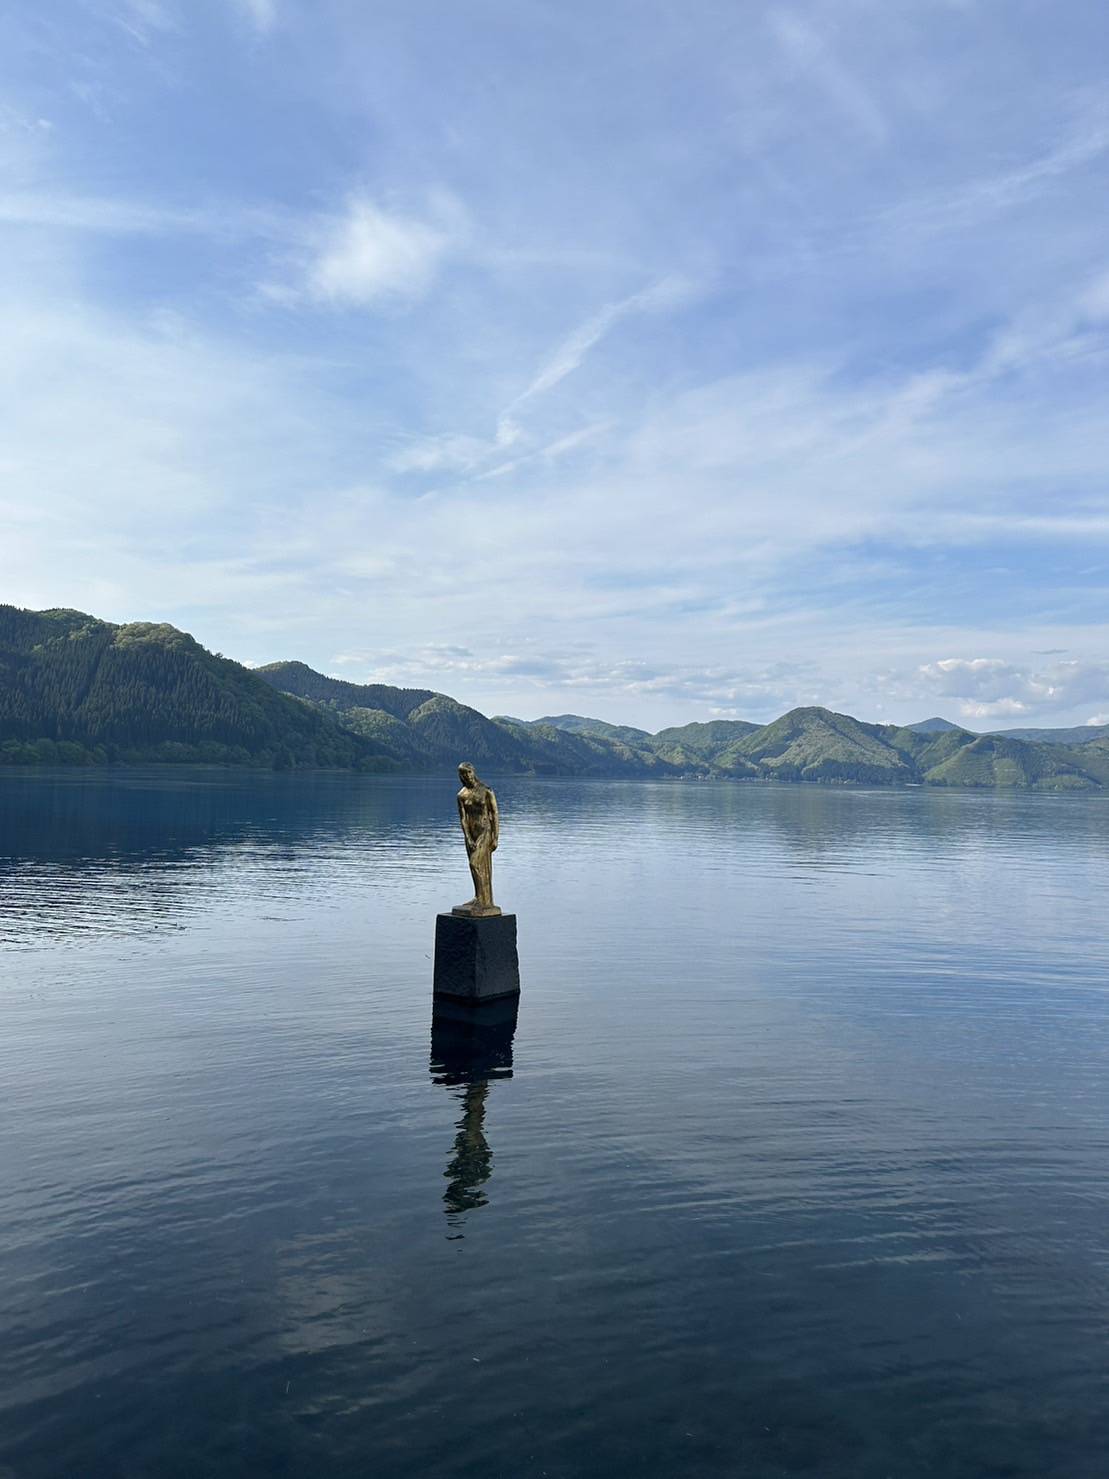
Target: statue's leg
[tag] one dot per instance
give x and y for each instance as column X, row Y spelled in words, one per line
column 483, row 873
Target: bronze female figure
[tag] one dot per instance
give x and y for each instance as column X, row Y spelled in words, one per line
column 477, row 813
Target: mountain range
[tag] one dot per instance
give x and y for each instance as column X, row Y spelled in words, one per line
column 78, row 690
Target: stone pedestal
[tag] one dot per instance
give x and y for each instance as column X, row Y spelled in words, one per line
column 475, row 957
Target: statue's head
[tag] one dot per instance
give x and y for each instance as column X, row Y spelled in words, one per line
column 467, row 774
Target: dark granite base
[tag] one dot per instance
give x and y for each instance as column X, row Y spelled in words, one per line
column 475, row 957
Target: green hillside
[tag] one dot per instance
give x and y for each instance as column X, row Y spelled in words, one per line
column 77, row 690
column 429, row 731
column 298, row 678
column 435, row 730
column 932, row 726
column 1081, row 734
column 557, row 751
column 1075, row 735
column 807, row 745
column 812, row 744
column 577, row 724
column 991, row 760
column 1093, row 759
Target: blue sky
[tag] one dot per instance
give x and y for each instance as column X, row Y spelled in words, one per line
column 648, row 359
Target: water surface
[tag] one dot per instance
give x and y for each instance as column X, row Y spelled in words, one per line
column 794, row 1162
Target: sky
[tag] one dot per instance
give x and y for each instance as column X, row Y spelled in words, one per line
column 658, row 360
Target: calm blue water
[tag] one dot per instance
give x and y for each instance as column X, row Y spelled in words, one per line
column 796, row 1161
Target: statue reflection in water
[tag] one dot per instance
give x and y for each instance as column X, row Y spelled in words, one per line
column 471, row 1047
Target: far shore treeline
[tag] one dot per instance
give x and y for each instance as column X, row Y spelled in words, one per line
column 75, row 690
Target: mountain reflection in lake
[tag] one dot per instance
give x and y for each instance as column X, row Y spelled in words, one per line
column 794, row 1162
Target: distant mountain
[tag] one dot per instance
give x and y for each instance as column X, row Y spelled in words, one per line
column 74, row 689
column 933, row 726
column 697, row 746
column 562, row 752
column 576, row 724
column 305, row 682
column 805, row 745
column 813, row 744
column 1081, row 734
column 427, row 730
column 416, row 722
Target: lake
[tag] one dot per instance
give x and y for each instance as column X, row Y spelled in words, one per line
column 795, row 1162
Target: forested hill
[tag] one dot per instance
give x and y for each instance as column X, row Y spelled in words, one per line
column 429, row 731
column 76, row 690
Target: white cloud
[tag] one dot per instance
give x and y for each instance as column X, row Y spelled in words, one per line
column 727, row 690
column 262, row 13
column 1002, row 708
column 991, row 687
column 368, row 254
column 982, row 677
column 869, row 424
column 1095, row 300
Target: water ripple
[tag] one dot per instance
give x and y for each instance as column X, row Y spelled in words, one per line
column 793, row 1163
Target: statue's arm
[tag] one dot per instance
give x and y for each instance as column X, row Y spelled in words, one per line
column 495, row 821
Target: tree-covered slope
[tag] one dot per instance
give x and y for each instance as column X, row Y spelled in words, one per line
column 956, row 757
column 73, row 688
column 708, row 739
column 991, row 760
column 1092, row 758
column 809, row 745
column 1078, row 735
column 76, row 689
column 434, row 729
column 422, row 730
column 578, row 724
column 813, row 744
column 935, row 725
column 299, row 679
column 453, row 732
column 556, row 751
column 1073, row 736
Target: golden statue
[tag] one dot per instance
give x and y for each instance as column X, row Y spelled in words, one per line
column 477, row 811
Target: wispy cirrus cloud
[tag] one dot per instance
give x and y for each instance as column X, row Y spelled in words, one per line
column 669, row 293
column 64, row 211
column 651, row 372
column 473, row 454
column 811, row 52
column 145, row 20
